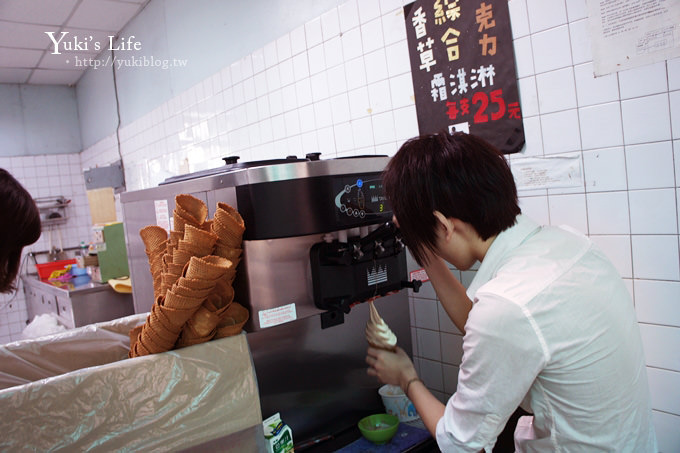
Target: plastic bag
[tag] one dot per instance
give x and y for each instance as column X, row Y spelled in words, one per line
column 77, row 390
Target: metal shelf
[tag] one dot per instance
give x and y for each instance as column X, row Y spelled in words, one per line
column 52, row 210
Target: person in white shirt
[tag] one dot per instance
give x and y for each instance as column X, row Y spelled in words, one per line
column 548, row 323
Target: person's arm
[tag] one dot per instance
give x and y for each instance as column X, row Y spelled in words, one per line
column 450, row 292
column 396, row 368
column 427, row 405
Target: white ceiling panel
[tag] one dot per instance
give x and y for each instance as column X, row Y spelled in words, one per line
column 23, row 36
column 103, row 15
column 26, row 51
column 54, row 77
column 19, row 58
column 53, row 12
column 14, row 75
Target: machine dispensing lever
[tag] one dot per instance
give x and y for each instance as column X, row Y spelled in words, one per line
column 384, row 232
column 413, row 284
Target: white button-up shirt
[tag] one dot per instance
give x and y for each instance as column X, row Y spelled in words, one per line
column 552, row 327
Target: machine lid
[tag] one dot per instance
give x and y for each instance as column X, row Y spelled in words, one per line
column 232, row 165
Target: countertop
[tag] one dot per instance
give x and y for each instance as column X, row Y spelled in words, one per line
column 76, row 285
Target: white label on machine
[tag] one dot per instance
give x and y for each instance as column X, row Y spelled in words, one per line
column 162, row 214
column 279, row 315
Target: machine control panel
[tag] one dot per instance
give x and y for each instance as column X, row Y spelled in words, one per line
column 360, row 197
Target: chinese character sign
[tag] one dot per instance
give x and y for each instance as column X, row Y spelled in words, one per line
column 463, row 69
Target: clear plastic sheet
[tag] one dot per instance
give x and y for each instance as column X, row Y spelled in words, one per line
column 77, row 390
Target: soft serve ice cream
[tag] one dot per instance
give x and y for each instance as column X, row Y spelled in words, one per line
column 378, row 333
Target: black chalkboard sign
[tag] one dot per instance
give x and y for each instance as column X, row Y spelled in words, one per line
column 463, row 69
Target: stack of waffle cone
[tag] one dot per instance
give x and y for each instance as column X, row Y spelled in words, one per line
column 228, row 225
column 193, row 273
column 189, row 210
column 155, row 241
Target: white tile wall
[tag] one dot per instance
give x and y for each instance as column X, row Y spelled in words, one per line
column 341, row 85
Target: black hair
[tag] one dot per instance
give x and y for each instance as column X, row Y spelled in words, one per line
column 460, row 175
column 19, row 226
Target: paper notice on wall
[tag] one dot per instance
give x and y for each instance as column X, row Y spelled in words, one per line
column 630, row 33
column 162, row 214
column 547, row 172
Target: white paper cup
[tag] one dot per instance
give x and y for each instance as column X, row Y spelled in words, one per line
column 397, row 404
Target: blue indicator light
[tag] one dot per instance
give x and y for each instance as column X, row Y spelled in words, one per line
column 359, row 183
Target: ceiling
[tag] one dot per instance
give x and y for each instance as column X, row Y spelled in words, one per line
column 27, row 52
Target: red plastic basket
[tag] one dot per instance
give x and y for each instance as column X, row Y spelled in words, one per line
column 46, row 269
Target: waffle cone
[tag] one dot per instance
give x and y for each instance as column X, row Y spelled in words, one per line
column 203, row 322
column 175, row 236
column 223, row 210
column 157, row 250
column 175, row 269
column 230, row 235
column 195, row 249
column 190, row 338
column 170, row 248
column 207, row 225
column 159, row 337
column 168, row 280
column 159, row 320
column 179, row 223
column 193, row 206
column 224, row 293
column 181, row 257
column 153, row 236
column 149, row 341
column 207, row 268
column 235, row 317
column 177, row 317
column 190, row 292
column 196, row 283
column 139, row 349
column 174, row 300
column 230, row 253
column 199, row 236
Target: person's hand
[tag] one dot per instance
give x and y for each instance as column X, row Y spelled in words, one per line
column 393, row 368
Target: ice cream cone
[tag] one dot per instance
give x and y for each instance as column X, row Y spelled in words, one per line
column 378, row 333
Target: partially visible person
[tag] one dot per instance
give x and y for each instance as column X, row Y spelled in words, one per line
column 19, row 227
column 548, row 323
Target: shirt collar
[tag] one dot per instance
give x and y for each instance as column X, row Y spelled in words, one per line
column 506, row 241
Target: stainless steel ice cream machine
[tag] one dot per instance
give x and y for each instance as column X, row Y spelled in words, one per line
column 318, row 241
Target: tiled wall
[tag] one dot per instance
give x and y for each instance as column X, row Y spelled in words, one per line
column 341, row 85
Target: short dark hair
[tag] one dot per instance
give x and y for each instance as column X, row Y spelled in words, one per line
column 460, row 175
column 19, row 227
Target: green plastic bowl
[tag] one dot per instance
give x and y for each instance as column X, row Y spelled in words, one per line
column 379, row 428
